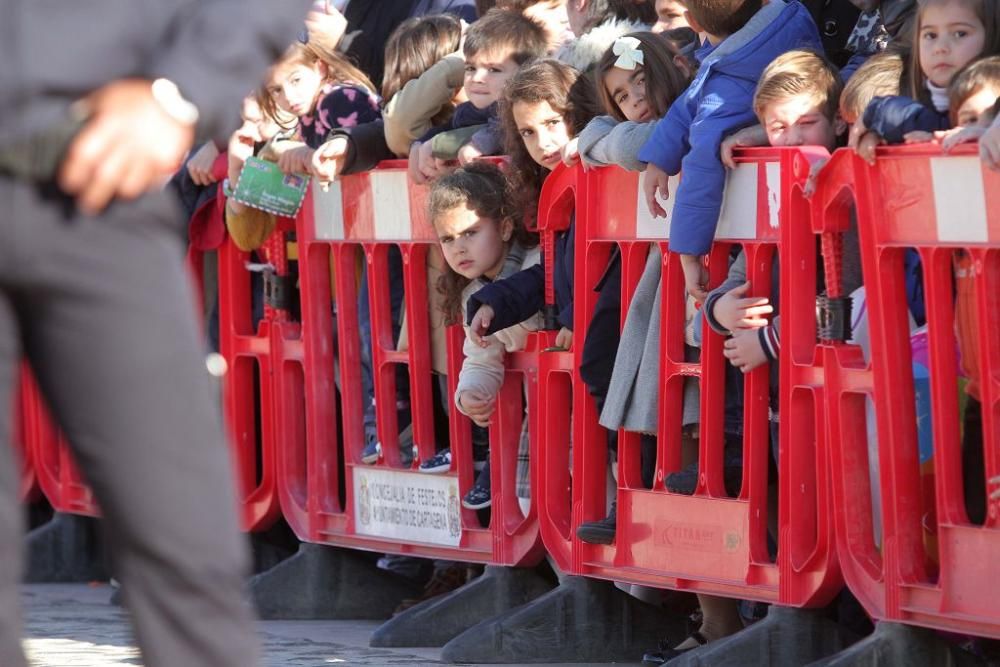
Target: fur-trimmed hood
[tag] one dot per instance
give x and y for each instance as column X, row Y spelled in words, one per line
column 584, row 51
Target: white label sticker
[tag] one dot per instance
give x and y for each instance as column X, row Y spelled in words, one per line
column 391, row 200
column 648, row 227
column 738, row 218
column 406, row 506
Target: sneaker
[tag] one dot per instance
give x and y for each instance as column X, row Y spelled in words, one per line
column 477, row 498
column 440, row 462
column 602, row 531
column 371, row 452
column 685, row 481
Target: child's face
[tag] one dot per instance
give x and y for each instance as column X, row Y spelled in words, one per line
column 485, row 76
column 473, row 246
column 800, row 121
column 628, row 90
column 295, row 88
column 255, row 122
column 951, row 36
column 977, row 104
column 670, row 15
column 543, row 131
column 552, row 15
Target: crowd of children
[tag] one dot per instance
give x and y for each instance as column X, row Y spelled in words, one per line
column 663, row 87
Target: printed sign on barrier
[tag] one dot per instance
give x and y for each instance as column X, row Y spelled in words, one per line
column 405, row 506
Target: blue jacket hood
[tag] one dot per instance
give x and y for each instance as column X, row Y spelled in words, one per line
column 777, row 28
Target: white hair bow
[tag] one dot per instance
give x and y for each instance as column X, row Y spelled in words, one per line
column 628, row 52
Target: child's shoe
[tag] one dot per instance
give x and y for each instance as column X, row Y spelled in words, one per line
column 479, row 496
column 601, row 531
column 371, row 452
column 439, row 463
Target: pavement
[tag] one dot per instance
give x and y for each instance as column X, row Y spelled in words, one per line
column 73, row 625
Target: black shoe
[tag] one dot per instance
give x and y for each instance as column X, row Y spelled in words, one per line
column 665, row 653
column 602, row 531
column 685, row 481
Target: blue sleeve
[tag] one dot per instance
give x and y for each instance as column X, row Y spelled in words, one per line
column 893, row 117
column 513, row 299
column 852, row 66
column 669, row 142
column 725, row 107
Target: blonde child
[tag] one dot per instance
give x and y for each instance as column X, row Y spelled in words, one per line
column 947, row 36
column 482, row 240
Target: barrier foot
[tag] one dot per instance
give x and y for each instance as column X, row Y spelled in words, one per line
column 436, row 621
column 786, row 636
column 898, row 644
column 67, row 549
column 323, row 582
column 272, row 546
column 581, row 620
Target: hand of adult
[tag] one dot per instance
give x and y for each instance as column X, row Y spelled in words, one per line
column 328, row 159
column 128, row 147
column 326, row 26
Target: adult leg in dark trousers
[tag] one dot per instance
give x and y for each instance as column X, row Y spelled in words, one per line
column 103, row 309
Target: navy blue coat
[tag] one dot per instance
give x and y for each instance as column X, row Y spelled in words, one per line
column 893, row 117
column 520, row 296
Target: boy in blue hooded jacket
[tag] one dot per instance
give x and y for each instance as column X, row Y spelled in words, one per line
column 743, row 37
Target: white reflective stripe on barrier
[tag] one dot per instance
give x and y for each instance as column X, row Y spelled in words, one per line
column 740, row 217
column 391, row 204
column 328, row 212
column 959, row 199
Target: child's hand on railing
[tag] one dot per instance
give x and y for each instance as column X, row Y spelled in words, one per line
column 296, row 160
column 864, row 141
column 468, row 153
column 960, row 135
column 480, row 325
column 564, row 339
column 656, row 181
column 745, row 138
column 918, row 137
column 571, row 152
column 735, row 311
column 328, row 160
column 695, row 276
column 744, row 350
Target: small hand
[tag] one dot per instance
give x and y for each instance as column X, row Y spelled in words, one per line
column 199, row 165
column 571, row 152
column 809, row 188
column 413, row 164
column 430, row 168
column 747, row 137
column 695, row 277
column 480, row 325
column 735, row 311
column 468, row 153
column 960, row 135
column 744, row 351
column 564, row 339
column 296, row 161
column 989, row 146
column 128, row 146
column 328, row 159
column 918, row 137
column 477, row 406
column 867, row 145
column 656, row 181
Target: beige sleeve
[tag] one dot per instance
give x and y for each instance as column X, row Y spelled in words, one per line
column 408, row 114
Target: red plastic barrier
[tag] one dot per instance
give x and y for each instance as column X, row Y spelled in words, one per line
column 28, row 490
column 58, row 476
column 932, row 566
column 707, row 542
column 327, row 494
column 248, row 387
